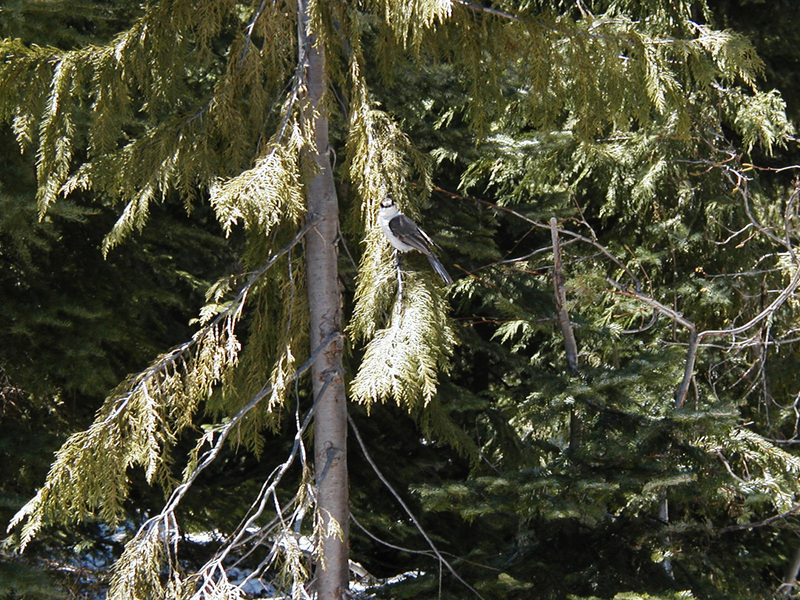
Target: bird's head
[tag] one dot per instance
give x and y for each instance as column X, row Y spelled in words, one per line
column 387, row 202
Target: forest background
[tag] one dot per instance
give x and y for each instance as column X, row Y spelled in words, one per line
column 604, row 404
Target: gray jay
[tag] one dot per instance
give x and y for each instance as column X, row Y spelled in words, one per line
column 404, row 235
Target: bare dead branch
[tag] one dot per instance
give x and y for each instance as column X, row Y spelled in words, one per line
column 488, row 10
column 769, row 521
column 570, row 345
column 375, row 538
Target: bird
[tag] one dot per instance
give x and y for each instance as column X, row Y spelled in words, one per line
column 405, row 235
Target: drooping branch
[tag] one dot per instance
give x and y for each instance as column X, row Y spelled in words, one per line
column 696, row 337
column 151, row 406
column 243, row 534
column 177, row 354
column 676, row 317
column 163, row 527
column 223, row 431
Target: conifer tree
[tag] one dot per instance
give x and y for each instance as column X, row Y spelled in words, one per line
column 601, row 111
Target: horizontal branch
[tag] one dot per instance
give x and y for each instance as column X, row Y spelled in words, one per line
column 488, row 10
column 764, row 523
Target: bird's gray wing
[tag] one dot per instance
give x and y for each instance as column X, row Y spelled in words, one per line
column 409, row 233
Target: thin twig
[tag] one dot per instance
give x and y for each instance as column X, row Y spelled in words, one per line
column 250, row 27
column 385, row 543
column 488, row 10
column 441, row 559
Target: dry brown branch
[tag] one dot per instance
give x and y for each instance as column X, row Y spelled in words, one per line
column 764, row 523
column 570, row 345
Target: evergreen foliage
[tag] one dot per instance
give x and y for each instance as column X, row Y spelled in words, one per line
column 663, row 455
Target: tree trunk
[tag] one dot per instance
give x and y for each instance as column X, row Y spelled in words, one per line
column 790, row 577
column 325, row 304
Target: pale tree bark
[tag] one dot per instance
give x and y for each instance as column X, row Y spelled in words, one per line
column 790, row 577
column 325, row 314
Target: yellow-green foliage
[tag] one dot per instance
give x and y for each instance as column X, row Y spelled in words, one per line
column 136, row 427
column 410, row 19
column 149, row 130
column 266, row 195
column 403, row 360
column 138, row 571
column 277, row 337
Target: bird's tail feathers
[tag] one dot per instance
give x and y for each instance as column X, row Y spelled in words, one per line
column 439, row 268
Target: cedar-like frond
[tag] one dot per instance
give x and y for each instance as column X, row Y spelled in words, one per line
column 403, row 360
column 264, row 196
column 137, row 426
